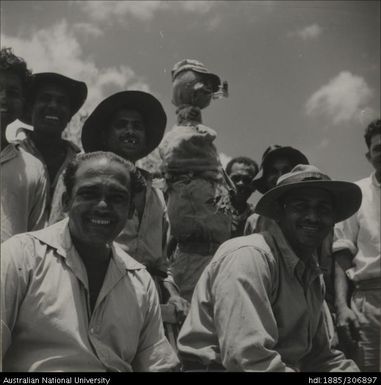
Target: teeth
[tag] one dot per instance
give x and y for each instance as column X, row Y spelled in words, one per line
column 51, row 117
column 4, row 110
column 129, row 140
column 313, row 228
column 100, row 221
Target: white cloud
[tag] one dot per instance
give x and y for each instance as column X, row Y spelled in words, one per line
column 109, row 11
column 57, row 50
column 88, row 29
column 342, row 99
column 310, row 32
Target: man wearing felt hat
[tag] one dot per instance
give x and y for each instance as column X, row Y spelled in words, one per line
column 52, row 100
column 131, row 124
column 258, row 305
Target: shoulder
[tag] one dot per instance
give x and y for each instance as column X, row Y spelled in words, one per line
column 251, row 250
column 21, row 249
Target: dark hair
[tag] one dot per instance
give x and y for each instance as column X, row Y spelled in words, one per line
column 372, row 129
column 11, row 63
column 137, row 180
column 242, row 159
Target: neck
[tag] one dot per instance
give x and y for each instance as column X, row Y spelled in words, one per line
column 45, row 142
column 187, row 113
column 92, row 254
column 305, row 254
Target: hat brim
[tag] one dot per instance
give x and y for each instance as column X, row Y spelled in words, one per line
column 291, row 153
column 76, row 90
column 147, row 105
column 347, row 198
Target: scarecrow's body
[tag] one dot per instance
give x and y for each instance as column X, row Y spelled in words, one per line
column 198, row 202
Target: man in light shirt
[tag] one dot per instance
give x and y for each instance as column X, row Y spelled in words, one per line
column 24, row 189
column 358, row 266
column 258, row 304
column 72, row 300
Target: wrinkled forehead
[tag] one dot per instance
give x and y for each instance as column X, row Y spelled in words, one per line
column 103, row 171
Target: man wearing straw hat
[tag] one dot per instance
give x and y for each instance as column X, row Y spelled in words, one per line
column 131, row 124
column 52, row 100
column 258, row 305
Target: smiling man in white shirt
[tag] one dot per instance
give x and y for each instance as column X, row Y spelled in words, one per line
column 358, row 265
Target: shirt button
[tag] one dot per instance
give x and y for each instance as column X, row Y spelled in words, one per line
column 92, row 330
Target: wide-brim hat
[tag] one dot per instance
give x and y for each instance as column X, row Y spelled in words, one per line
column 347, row 196
column 196, row 66
column 146, row 104
column 274, row 151
column 76, row 89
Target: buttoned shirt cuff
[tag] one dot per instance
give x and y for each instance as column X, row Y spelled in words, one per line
column 342, row 244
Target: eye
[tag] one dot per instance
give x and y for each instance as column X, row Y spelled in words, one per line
column 86, row 194
column 119, row 198
column 325, row 209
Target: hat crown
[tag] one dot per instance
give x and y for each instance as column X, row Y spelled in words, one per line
column 301, row 173
column 188, row 64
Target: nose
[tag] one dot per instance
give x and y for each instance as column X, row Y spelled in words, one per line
column 53, row 102
column 312, row 214
column 102, row 204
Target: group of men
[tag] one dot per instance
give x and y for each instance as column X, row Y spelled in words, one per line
column 85, row 264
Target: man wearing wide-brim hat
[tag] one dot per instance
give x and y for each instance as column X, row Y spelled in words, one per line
column 131, row 124
column 52, row 100
column 258, row 305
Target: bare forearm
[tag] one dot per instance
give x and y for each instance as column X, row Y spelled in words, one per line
column 343, row 261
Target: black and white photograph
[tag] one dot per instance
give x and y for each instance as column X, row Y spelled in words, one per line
column 190, row 187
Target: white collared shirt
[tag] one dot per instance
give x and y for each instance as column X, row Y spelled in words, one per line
column 360, row 233
column 47, row 324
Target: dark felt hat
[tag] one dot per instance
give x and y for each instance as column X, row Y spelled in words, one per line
column 76, row 90
column 274, row 151
column 347, row 196
column 146, row 104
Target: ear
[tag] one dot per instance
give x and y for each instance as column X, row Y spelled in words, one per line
column 65, row 200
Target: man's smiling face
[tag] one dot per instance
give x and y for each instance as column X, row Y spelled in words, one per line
column 126, row 135
column 99, row 201
column 51, row 110
column 307, row 216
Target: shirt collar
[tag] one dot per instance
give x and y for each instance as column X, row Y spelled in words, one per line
column 28, row 143
column 58, row 237
column 8, row 153
column 288, row 255
column 375, row 182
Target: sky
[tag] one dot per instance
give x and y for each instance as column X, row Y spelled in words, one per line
column 300, row 73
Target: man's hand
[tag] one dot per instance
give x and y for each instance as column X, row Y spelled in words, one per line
column 181, row 307
column 348, row 325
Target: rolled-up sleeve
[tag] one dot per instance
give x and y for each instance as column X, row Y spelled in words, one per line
column 346, row 234
column 154, row 354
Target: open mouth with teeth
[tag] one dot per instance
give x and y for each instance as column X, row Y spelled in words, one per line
column 129, row 140
column 53, row 118
column 101, row 222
